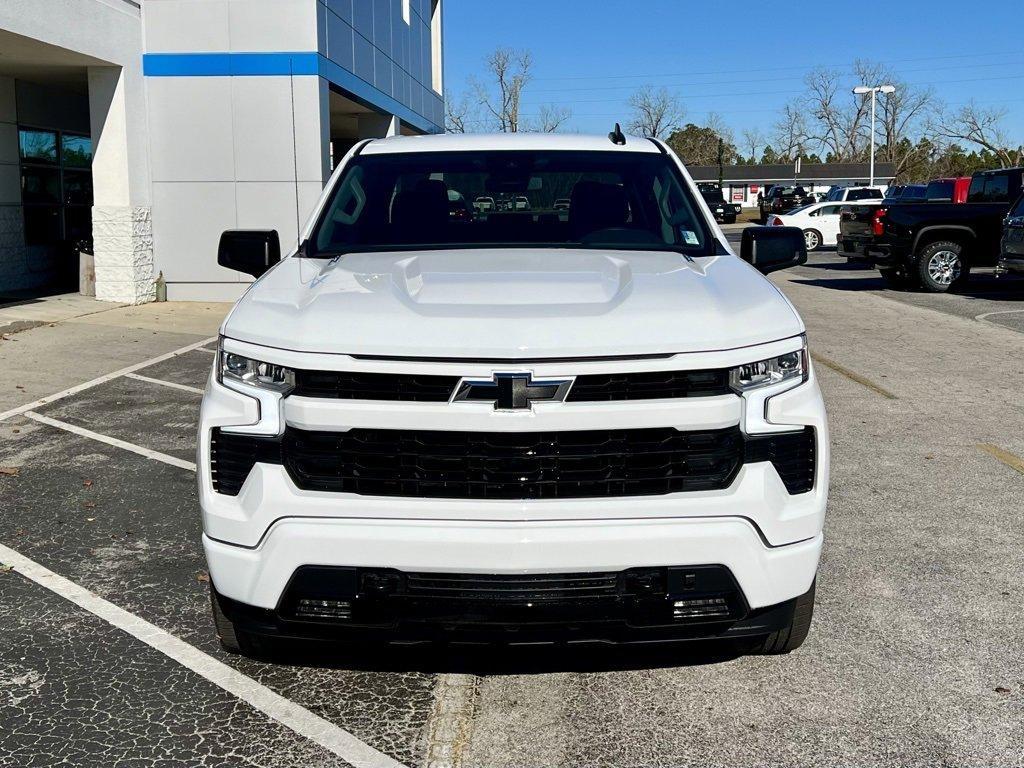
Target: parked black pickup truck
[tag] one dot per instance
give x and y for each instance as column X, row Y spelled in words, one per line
column 932, row 245
column 781, row 199
column 724, row 213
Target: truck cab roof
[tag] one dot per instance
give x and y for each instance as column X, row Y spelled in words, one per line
column 465, row 142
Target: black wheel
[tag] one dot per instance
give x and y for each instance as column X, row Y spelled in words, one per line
column 940, row 266
column 225, row 627
column 812, row 239
column 793, row 636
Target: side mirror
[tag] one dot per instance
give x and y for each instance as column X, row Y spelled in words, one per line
column 252, row 251
column 771, row 248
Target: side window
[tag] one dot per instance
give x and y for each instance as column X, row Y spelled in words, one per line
column 831, row 210
column 997, row 188
column 349, row 203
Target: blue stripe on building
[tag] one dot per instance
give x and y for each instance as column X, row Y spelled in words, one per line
column 228, row 64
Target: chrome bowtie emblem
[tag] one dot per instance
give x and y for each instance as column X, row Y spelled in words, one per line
column 512, row 391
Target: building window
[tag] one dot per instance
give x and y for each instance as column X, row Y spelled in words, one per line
column 56, row 186
column 435, row 47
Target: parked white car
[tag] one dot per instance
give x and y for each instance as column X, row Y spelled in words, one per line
column 818, row 221
column 853, row 194
column 513, row 428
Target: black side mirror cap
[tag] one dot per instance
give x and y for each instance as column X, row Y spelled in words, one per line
column 772, row 248
column 252, row 251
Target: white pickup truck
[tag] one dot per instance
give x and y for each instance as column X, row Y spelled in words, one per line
column 522, row 425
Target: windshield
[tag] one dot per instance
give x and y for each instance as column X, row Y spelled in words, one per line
column 868, row 193
column 539, row 199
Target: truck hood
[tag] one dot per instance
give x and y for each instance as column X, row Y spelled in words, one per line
column 512, row 303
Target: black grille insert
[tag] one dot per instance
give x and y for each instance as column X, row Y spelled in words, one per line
column 516, row 465
column 355, row 385
column 648, row 385
column 513, row 465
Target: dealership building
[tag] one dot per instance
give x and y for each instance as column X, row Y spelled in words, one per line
column 142, row 130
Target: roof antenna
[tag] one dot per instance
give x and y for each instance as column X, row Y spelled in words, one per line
column 616, row 136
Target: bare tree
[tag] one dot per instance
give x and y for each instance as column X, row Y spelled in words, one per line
column 901, row 116
column 837, row 122
column 456, row 113
column 982, row 127
column 655, row 112
column 790, row 132
column 754, row 141
column 511, row 72
column 550, row 118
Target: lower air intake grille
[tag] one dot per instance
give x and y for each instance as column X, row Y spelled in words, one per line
column 791, row 453
column 500, row 587
column 233, row 456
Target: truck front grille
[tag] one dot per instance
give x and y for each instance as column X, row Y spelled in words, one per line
column 514, row 465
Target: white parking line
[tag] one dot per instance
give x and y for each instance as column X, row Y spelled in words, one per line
column 984, row 317
column 335, row 740
column 102, row 379
column 83, row 432
column 161, row 382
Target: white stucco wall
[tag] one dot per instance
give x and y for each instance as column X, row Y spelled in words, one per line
column 106, row 36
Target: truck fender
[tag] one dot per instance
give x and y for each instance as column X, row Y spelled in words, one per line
column 958, row 228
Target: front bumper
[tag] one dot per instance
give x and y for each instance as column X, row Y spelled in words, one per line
column 255, row 583
column 768, row 539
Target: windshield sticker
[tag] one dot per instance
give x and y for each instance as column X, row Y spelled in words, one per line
column 689, row 237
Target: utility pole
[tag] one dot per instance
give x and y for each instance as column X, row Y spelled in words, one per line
column 873, row 90
column 721, row 155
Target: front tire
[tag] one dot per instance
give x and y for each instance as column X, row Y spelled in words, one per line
column 940, row 266
column 792, row 637
column 812, row 239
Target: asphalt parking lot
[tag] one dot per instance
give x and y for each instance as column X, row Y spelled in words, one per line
column 916, row 656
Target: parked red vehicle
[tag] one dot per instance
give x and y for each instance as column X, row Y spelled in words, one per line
column 950, row 190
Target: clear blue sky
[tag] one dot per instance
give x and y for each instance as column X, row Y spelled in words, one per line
column 739, row 58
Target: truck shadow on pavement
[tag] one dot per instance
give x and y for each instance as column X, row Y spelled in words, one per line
column 843, row 276
column 1004, row 289
column 497, row 659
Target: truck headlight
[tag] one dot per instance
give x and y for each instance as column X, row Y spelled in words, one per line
column 791, row 366
column 245, row 370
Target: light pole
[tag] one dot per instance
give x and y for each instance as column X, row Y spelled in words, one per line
column 873, row 89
